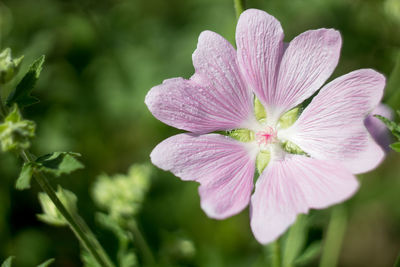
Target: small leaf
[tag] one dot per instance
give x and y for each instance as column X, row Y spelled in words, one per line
column 59, row 163
column 309, row 254
column 24, row 179
column 22, row 93
column 8, row 262
column 391, row 125
column 396, row 146
column 46, row 263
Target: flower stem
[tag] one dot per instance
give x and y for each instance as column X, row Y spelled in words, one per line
column 239, row 7
column 276, row 253
column 141, row 243
column 82, row 232
column 393, row 85
column 334, row 237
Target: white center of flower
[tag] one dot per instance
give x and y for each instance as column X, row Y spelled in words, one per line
column 266, row 137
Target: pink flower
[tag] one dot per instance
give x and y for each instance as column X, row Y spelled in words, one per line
column 306, row 164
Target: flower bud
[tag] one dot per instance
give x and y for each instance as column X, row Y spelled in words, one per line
column 15, row 132
column 123, row 195
column 8, row 66
column 51, row 215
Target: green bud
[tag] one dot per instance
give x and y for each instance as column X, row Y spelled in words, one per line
column 51, row 215
column 8, row 66
column 15, row 132
column 123, row 195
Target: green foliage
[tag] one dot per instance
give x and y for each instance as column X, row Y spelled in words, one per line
column 8, row 66
column 15, row 132
column 51, row 215
column 395, row 146
column 310, row 253
column 394, row 128
column 46, row 263
column 295, row 241
column 7, row 262
column 123, row 195
column 22, row 93
column 24, row 179
column 59, row 163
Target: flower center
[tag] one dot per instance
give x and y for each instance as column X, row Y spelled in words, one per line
column 266, row 136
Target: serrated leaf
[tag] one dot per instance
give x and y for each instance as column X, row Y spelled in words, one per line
column 310, row 253
column 391, row 125
column 8, row 262
column 24, row 179
column 396, row 146
column 59, row 163
column 46, row 263
column 22, row 93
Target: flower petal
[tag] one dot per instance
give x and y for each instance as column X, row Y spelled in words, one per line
column 215, row 98
column 259, row 39
column 293, row 185
column 224, row 167
column 307, row 63
column 332, row 128
column 377, row 128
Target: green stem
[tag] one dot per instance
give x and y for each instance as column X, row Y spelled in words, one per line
column 276, row 254
column 239, row 7
column 141, row 243
column 80, row 229
column 3, row 109
column 334, row 237
column 393, row 85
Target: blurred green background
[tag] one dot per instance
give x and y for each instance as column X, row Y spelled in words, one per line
column 104, row 56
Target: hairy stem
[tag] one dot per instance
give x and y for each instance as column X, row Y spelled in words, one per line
column 334, row 237
column 239, row 7
column 82, row 232
column 141, row 243
column 276, row 253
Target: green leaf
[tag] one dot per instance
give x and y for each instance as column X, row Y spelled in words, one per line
column 309, row 254
column 391, row 125
column 46, row 263
column 396, row 146
column 59, row 163
column 24, row 179
column 22, row 93
column 8, row 262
